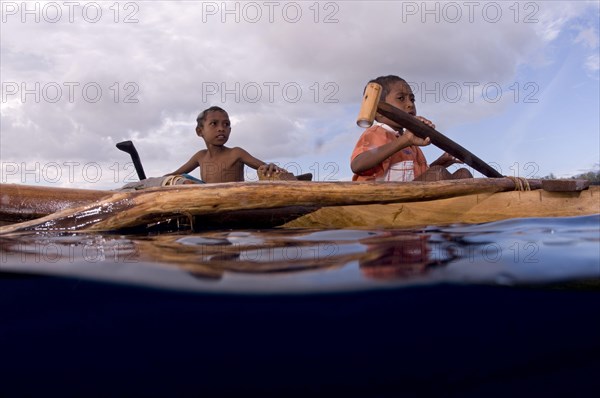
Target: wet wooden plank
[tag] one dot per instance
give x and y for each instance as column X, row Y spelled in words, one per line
column 26, row 202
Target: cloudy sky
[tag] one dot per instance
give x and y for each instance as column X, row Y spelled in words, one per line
column 516, row 83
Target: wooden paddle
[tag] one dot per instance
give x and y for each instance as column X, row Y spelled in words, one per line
column 371, row 105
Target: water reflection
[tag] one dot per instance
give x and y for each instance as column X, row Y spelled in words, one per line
column 214, row 253
column 533, row 251
column 399, row 255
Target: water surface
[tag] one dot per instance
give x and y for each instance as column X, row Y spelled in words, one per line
column 511, row 252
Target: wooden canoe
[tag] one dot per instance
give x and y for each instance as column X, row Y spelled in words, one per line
column 294, row 204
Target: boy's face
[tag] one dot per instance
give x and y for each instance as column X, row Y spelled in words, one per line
column 401, row 96
column 215, row 129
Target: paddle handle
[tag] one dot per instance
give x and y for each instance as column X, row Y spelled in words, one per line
column 127, row 146
column 422, row 130
column 139, row 169
column 368, row 109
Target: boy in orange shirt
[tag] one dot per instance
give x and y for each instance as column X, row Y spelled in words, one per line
column 388, row 152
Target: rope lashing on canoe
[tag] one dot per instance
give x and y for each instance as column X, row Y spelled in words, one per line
column 521, row 183
column 172, row 180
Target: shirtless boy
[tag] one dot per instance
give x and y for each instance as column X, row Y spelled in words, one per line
column 217, row 162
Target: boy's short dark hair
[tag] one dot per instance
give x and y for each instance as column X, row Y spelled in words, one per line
column 386, row 82
column 202, row 115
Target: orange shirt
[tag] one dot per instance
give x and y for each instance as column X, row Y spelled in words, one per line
column 404, row 165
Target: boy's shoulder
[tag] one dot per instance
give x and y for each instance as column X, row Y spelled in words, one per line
column 378, row 129
column 237, row 150
column 201, row 154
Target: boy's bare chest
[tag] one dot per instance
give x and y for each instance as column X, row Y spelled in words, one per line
column 221, row 168
column 225, row 160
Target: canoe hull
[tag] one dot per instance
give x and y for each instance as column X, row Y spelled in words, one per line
column 291, row 205
column 27, row 202
column 469, row 209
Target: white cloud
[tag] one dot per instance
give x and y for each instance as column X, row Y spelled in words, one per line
column 180, row 58
column 592, row 63
column 588, row 37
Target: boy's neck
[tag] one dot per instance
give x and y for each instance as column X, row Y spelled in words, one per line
column 216, row 149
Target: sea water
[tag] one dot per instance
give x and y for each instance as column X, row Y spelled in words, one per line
column 535, row 251
column 508, row 308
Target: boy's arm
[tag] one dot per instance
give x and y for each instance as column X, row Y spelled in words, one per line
column 445, row 160
column 371, row 158
column 248, row 159
column 188, row 166
column 255, row 163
